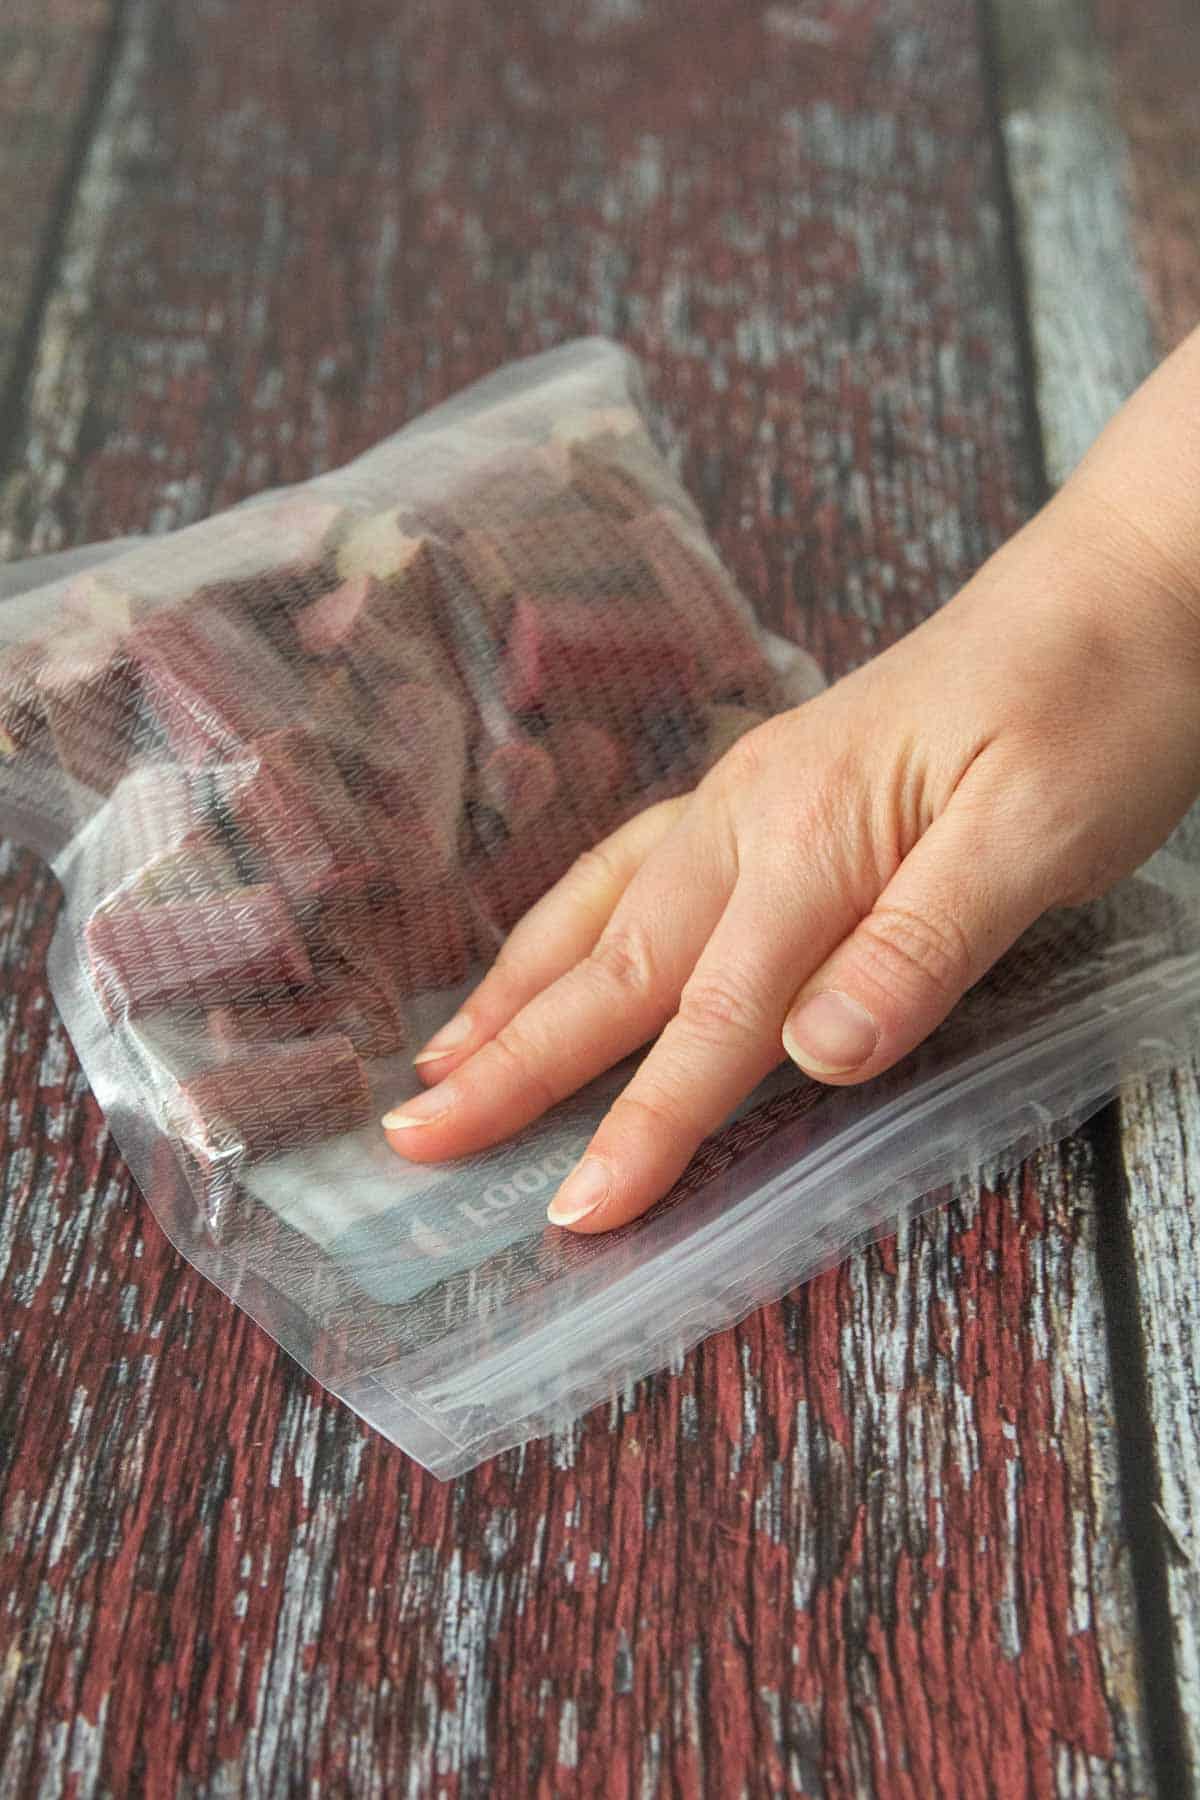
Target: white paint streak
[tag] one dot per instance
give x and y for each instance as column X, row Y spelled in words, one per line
column 1091, row 333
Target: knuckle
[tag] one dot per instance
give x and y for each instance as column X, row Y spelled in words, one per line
column 835, row 813
column 517, row 1062
column 592, row 869
column 510, row 958
column 743, row 761
column 741, row 766
column 712, row 1009
column 918, row 950
column 651, row 1110
column 624, row 959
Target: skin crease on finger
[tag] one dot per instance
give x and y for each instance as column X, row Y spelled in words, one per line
column 865, row 858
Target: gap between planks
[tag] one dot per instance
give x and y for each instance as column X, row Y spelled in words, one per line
column 1075, row 171
column 31, row 277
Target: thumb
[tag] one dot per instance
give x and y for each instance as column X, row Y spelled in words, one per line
column 956, row 903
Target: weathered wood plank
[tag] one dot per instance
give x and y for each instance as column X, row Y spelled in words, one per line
column 49, row 57
column 1156, row 72
column 1067, row 162
column 1160, row 1131
column 1104, row 126
column 868, row 1543
column 1155, row 55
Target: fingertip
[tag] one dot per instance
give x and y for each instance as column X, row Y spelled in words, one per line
column 416, row 1128
column 432, row 1068
column 831, row 1036
column 415, row 1146
column 451, row 1038
column 582, row 1194
column 600, row 1195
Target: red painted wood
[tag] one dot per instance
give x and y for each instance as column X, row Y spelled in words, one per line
column 864, row 1544
column 1155, row 54
column 49, row 54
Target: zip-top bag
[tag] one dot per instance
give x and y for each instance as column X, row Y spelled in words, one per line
column 301, row 767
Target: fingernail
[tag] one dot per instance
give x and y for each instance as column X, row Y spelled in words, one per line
column 422, row 1109
column 830, row 1034
column 581, row 1193
column 456, row 1031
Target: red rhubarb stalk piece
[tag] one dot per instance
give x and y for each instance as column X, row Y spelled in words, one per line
column 507, row 882
column 157, row 818
column 213, row 684
column 414, row 943
column 592, row 762
column 411, row 779
column 275, row 1101
column 341, row 999
column 89, row 693
column 289, row 803
column 383, row 631
column 703, row 604
column 328, row 624
column 199, row 867
column 206, row 952
column 387, row 615
column 517, row 779
column 572, row 551
column 566, row 656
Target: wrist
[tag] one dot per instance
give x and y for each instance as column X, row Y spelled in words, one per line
column 1138, row 491
column 1099, row 589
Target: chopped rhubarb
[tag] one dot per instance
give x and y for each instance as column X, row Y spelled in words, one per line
column 565, row 657
column 340, row 999
column 704, row 607
column 591, row 761
column 89, row 692
column 275, row 1101
column 213, row 684
column 205, row 952
column 518, row 779
column 414, row 943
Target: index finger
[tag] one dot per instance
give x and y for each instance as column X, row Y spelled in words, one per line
column 561, row 929
column 601, row 1010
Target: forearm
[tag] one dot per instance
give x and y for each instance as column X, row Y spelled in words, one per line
column 1142, row 476
column 1110, row 567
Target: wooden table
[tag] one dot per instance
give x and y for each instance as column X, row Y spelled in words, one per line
column 929, row 1526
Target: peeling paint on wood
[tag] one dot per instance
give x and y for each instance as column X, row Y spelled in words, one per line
column 1161, row 1135
column 1067, row 156
column 1133, row 105
column 49, row 55
column 869, row 1542
column 1155, row 54
column 1157, row 87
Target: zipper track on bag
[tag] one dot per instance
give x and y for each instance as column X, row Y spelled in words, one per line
column 633, row 1294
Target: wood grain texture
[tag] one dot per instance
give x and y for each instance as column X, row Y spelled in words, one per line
column 49, row 56
column 1156, row 83
column 1155, row 57
column 869, row 1542
column 1160, row 1131
column 1104, row 124
column 1068, row 167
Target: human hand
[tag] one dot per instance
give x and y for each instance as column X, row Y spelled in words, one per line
column 840, row 878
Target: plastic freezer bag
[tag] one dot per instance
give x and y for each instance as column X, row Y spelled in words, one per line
column 300, row 767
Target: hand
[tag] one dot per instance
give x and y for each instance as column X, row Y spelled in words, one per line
column 840, row 878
